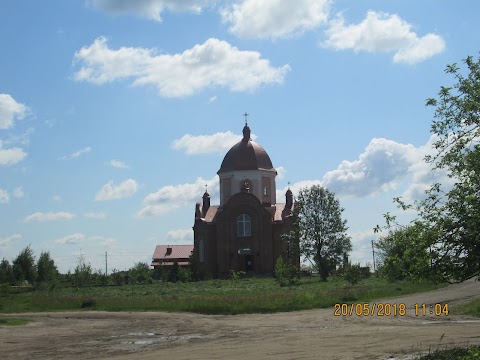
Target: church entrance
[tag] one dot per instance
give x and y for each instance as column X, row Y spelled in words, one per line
column 248, row 263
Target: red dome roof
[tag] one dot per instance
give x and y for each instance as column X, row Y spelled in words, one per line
column 246, row 155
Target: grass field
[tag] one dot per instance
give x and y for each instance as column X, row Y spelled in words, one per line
column 458, row 353
column 249, row 295
column 13, row 322
column 471, row 308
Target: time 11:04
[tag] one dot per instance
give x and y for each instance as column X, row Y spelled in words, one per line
column 433, row 309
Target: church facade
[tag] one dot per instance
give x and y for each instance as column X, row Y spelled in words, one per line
column 243, row 232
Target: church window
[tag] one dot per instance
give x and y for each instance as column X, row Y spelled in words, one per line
column 244, row 226
column 265, row 190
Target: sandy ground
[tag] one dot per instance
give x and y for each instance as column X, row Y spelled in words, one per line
column 313, row 334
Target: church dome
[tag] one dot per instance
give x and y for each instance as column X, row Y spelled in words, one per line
column 246, row 155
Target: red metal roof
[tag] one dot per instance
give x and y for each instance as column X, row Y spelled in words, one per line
column 163, row 253
column 246, row 155
column 211, row 212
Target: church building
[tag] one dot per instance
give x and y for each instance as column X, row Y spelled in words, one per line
column 243, row 233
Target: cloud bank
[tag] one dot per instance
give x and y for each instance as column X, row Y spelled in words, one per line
column 214, row 63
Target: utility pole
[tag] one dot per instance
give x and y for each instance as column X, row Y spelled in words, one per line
column 373, row 253
column 106, row 268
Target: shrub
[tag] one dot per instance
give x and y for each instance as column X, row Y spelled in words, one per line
column 286, row 273
column 354, row 273
column 184, row 274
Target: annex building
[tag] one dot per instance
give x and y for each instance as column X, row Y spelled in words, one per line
column 243, row 232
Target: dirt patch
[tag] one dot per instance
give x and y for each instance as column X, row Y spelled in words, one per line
column 309, row 334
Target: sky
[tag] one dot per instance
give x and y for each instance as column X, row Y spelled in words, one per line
column 114, row 115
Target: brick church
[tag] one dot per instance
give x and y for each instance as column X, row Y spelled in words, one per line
column 243, row 233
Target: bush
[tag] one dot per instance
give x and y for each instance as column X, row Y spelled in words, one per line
column 286, row 273
column 355, row 273
column 235, row 275
column 184, row 275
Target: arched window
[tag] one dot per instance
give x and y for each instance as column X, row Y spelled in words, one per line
column 244, row 226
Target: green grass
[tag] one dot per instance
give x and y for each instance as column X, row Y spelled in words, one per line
column 458, row 353
column 471, row 308
column 12, row 322
column 250, row 295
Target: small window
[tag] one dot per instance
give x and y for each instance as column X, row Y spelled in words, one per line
column 265, row 190
column 244, row 226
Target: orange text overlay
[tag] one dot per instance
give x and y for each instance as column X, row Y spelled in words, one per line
column 389, row 309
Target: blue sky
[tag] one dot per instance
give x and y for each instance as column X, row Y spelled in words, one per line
column 115, row 114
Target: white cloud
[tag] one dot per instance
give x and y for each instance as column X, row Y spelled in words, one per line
column 381, row 32
column 78, row 238
column 4, row 197
column 424, row 176
column 10, row 239
column 280, row 172
column 81, row 152
column 274, row 18
column 49, row 216
column 172, row 197
column 11, row 156
column 94, row 215
column 22, row 139
column 219, row 142
column 18, row 192
column 214, row 63
column 118, row 164
column 110, row 191
column 382, row 166
column 77, row 154
column 57, row 198
column 151, row 9
column 102, row 240
column 73, row 239
column 10, row 110
column 377, row 169
column 180, row 236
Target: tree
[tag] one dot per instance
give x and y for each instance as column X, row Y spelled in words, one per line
column 322, row 232
column 46, row 269
column 451, row 217
column 6, row 273
column 403, row 253
column 140, row 273
column 24, row 266
column 456, row 213
column 82, row 275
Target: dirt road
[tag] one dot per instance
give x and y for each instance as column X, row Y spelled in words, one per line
column 313, row 334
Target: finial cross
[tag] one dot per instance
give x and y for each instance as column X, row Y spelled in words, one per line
column 246, row 118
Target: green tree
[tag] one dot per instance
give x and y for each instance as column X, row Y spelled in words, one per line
column 24, row 266
column 353, row 273
column 6, row 273
column 140, row 273
column 322, row 231
column 450, row 218
column 46, row 269
column 456, row 213
column 404, row 253
column 83, row 274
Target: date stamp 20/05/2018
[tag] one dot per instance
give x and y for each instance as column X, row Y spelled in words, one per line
column 390, row 309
